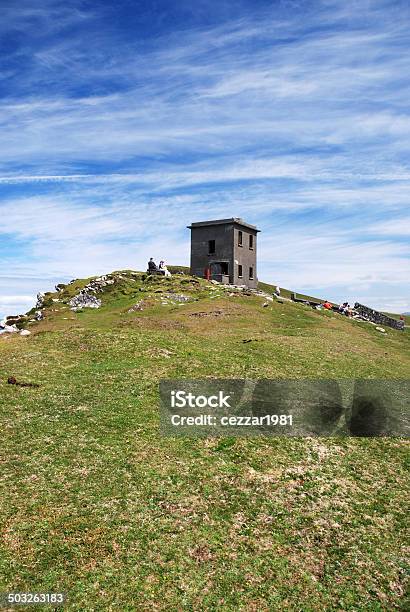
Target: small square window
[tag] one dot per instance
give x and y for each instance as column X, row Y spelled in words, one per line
column 251, row 273
column 211, row 246
column 240, row 238
column 251, row 241
column 239, row 271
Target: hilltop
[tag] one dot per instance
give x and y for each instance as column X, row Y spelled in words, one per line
column 288, row 339
column 97, row 504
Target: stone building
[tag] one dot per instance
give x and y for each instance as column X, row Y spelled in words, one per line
column 225, row 250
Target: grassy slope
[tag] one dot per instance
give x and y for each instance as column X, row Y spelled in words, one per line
column 97, row 504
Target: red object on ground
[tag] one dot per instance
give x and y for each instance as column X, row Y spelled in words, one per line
column 207, row 273
column 327, row 305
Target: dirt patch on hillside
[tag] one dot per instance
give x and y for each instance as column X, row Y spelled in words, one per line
column 154, row 323
column 210, row 313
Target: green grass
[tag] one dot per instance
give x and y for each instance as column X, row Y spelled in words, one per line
column 97, row 504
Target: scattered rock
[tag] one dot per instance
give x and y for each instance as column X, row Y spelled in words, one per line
column 15, row 320
column 211, row 313
column 38, row 315
column 84, row 299
column 176, row 297
column 137, row 307
column 60, row 287
column 9, row 329
column 40, row 300
column 25, row 332
column 381, row 329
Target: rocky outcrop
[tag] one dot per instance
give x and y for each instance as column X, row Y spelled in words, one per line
column 8, row 329
column 138, row 306
column 175, row 298
column 40, row 300
column 84, row 299
column 98, row 284
column 17, row 320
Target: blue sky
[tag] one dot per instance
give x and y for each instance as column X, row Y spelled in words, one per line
column 121, row 122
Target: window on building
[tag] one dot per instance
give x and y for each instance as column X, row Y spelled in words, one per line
column 239, row 271
column 251, row 241
column 240, row 238
column 250, row 273
column 211, row 246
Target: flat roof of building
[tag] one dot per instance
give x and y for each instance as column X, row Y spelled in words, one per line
column 235, row 220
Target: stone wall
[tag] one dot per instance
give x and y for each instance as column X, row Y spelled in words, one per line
column 377, row 317
column 245, row 256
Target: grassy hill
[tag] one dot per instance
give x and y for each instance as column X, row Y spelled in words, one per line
column 97, row 504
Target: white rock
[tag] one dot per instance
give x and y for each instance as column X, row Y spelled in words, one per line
column 381, row 329
column 84, row 300
column 40, row 300
column 25, row 332
column 10, row 329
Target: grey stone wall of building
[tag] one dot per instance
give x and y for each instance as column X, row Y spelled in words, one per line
column 201, row 258
column 378, row 317
column 215, row 245
column 245, row 256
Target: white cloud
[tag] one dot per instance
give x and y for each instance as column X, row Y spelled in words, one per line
column 295, row 118
column 391, row 227
column 12, row 299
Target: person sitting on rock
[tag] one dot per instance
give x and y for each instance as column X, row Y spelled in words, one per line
column 347, row 310
column 327, row 305
column 152, row 266
column 163, row 268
